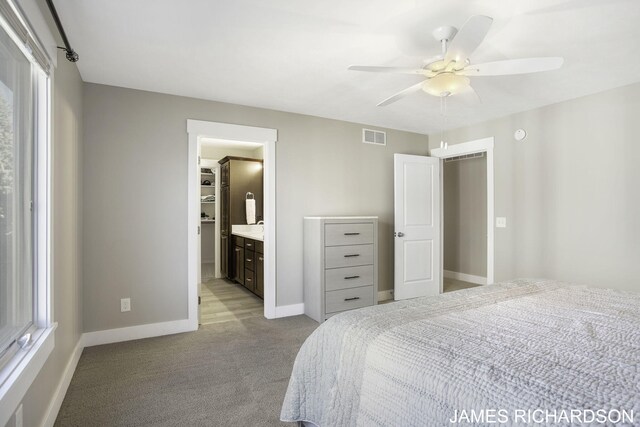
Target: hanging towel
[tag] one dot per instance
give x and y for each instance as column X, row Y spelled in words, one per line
column 251, row 211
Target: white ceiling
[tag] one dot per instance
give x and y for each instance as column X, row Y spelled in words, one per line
column 292, row 55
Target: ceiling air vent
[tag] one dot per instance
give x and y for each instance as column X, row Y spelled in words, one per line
column 463, row 157
column 375, row 137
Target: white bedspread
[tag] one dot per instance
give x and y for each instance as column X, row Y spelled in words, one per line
column 520, row 345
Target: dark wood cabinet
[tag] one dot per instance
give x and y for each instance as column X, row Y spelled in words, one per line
column 249, row 280
column 259, row 274
column 238, row 176
column 249, row 259
column 247, row 265
column 224, row 255
column 238, row 263
column 224, row 174
column 225, row 234
column 225, row 224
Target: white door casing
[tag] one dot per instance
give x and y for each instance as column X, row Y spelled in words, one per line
column 417, row 226
column 199, row 248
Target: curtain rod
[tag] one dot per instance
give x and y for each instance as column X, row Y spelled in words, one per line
column 71, row 54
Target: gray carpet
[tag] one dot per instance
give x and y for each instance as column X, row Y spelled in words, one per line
column 232, row 374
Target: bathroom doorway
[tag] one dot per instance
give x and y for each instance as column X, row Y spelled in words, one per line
column 232, row 252
column 231, row 285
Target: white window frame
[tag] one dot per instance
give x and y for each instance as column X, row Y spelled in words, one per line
column 18, row 373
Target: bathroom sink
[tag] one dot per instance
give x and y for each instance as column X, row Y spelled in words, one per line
column 255, row 231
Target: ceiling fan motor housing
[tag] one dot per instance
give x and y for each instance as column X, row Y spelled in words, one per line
column 446, row 32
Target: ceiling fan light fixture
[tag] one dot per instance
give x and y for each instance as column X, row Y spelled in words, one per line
column 445, row 84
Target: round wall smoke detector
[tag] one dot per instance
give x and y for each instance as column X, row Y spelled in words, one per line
column 520, row 134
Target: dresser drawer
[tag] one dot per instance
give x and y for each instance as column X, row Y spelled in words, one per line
column 348, row 299
column 348, row 277
column 259, row 246
column 348, row 234
column 348, row 256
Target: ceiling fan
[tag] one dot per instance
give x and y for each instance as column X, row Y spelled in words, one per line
column 448, row 73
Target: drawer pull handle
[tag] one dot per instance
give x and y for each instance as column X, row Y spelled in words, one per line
column 351, row 277
column 248, row 280
column 249, row 244
column 260, row 259
column 249, row 259
column 351, row 299
column 351, row 234
column 351, row 255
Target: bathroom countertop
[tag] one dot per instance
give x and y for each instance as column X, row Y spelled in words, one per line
column 249, row 235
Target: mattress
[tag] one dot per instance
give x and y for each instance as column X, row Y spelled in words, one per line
column 519, row 352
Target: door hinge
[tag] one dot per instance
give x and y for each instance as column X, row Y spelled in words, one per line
column 31, row 206
column 199, row 300
column 198, row 229
column 198, row 159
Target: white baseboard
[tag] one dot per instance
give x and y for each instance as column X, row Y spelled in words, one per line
column 289, row 310
column 385, row 295
column 479, row 280
column 63, row 385
column 136, row 332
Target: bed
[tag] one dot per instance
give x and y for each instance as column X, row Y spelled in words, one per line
column 518, row 350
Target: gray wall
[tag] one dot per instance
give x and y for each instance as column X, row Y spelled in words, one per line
column 569, row 191
column 66, row 242
column 465, row 216
column 135, row 195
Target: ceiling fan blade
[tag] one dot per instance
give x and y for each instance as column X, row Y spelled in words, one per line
column 468, row 38
column 572, row 5
column 399, row 70
column 401, row 94
column 468, row 96
column 513, row 66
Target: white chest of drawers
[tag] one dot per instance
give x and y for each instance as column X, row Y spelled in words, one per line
column 340, row 264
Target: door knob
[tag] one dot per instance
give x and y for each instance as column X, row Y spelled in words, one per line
column 400, row 234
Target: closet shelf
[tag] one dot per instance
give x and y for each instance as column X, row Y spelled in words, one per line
column 208, row 203
column 205, row 221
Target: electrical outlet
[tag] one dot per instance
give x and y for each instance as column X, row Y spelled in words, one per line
column 125, row 305
column 18, row 416
column 501, row 222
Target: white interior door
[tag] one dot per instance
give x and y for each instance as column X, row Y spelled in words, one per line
column 417, row 226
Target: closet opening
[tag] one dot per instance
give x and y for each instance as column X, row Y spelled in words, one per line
column 467, row 209
column 464, row 221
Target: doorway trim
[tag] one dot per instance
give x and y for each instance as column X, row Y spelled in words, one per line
column 231, row 132
column 476, row 146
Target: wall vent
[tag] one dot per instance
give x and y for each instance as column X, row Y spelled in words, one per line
column 463, row 157
column 375, row 137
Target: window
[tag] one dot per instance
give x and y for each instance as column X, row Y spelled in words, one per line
column 26, row 337
column 16, row 184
